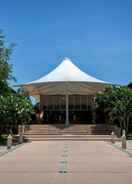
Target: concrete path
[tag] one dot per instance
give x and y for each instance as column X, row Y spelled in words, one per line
column 66, row 162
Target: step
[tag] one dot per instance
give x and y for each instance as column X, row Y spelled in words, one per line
column 71, row 139
column 67, row 136
column 49, row 131
column 73, row 133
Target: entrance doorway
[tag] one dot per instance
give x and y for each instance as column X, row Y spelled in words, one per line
column 79, row 108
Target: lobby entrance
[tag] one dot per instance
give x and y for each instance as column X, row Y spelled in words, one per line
column 80, row 108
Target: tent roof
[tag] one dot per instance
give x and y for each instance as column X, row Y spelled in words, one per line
column 66, row 72
column 65, row 78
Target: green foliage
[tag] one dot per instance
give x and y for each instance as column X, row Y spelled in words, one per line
column 5, row 67
column 3, row 139
column 15, row 109
column 116, row 103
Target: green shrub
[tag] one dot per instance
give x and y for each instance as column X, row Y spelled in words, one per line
column 15, row 109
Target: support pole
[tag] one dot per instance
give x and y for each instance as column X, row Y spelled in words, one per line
column 67, row 110
column 93, row 111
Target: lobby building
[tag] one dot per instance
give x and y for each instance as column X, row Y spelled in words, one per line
column 66, row 94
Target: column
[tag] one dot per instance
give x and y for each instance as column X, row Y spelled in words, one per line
column 93, row 111
column 67, row 110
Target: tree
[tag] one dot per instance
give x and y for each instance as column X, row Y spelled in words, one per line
column 15, row 109
column 5, row 67
column 116, row 103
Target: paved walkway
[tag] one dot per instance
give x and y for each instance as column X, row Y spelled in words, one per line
column 60, row 162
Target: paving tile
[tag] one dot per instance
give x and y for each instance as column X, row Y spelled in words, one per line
column 66, row 162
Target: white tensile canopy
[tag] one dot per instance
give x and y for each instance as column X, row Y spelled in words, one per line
column 65, row 79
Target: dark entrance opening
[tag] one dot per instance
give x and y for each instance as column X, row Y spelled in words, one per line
column 80, row 108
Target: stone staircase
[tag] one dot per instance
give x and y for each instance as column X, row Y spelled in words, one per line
column 93, row 132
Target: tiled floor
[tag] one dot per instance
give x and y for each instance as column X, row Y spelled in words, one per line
column 66, row 162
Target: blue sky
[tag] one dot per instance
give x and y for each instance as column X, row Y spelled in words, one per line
column 95, row 34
